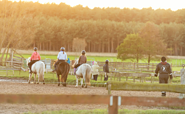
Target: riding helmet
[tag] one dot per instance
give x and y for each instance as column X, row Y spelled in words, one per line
column 83, row 51
column 35, row 48
column 107, row 61
column 62, row 48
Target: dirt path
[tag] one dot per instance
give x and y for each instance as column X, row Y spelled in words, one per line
column 24, row 88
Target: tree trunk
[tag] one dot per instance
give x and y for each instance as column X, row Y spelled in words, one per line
column 40, row 46
column 112, row 45
column 102, row 46
column 99, row 47
column 89, row 46
column 94, row 50
column 108, row 45
column 175, row 48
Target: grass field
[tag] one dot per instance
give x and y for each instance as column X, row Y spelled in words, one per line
column 120, row 111
column 71, row 80
column 111, row 59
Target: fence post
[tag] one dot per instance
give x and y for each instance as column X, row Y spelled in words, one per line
column 113, row 106
column 109, row 88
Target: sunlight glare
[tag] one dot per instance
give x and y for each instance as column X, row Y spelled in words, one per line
column 139, row 4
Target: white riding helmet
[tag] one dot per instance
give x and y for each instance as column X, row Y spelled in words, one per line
column 62, row 48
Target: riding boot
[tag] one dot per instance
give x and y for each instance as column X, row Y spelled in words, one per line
column 74, row 71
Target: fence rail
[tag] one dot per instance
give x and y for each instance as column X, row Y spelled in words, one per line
column 111, row 101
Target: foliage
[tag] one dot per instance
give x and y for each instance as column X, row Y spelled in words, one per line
column 152, row 42
column 131, row 48
column 25, row 25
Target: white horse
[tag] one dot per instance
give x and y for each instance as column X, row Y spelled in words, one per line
column 83, row 72
column 38, row 68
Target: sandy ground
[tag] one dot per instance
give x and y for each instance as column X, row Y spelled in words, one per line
column 24, row 88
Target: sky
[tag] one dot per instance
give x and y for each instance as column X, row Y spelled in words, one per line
column 139, row 4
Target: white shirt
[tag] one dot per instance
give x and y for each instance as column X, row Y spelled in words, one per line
column 62, row 56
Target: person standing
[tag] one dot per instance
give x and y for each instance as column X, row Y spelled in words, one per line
column 34, row 58
column 62, row 57
column 165, row 71
column 106, row 69
column 95, row 72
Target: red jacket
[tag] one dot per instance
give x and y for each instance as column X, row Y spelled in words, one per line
column 35, row 56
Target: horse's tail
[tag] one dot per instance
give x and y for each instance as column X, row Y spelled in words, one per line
column 87, row 75
column 42, row 70
column 65, row 72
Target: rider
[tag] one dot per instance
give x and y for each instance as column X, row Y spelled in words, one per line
column 62, row 56
column 82, row 59
column 34, row 58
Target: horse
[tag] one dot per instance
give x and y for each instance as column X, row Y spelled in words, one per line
column 83, row 72
column 38, row 68
column 63, row 70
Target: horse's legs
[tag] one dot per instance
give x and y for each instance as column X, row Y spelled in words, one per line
column 38, row 77
column 30, row 75
column 58, row 79
column 82, row 82
column 43, row 79
column 76, row 81
column 35, row 79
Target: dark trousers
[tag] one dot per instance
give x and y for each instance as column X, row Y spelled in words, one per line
column 105, row 78
column 95, row 77
column 31, row 63
column 56, row 63
column 163, row 78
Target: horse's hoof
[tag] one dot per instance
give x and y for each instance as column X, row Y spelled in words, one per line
column 43, row 83
column 85, row 86
column 76, row 86
column 58, row 84
column 64, row 85
column 82, row 86
column 38, row 83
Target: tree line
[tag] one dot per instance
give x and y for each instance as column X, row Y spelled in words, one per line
column 50, row 26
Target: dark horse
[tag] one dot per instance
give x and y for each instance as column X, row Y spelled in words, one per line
column 63, row 70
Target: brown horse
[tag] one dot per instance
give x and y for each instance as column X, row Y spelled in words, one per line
column 63, row 70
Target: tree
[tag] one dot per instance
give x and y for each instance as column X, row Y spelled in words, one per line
column 131, row 48
column 152, row 41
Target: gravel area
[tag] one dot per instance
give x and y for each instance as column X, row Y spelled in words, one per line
column 24, row 88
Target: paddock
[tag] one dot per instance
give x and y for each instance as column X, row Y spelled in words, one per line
column 21, row 87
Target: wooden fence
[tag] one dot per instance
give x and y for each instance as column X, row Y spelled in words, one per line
column 129, row 66
column 180, row 88
column 112, row 101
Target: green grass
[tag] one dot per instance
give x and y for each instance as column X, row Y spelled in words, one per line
column 71, row 80
column 50, row 78
column 111, row 59
column 120, row 111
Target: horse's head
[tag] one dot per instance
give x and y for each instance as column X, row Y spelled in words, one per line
column 28, row 60
column 54, row 62
column 75, row 63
